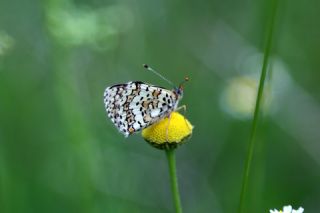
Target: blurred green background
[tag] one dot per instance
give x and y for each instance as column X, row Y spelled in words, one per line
column 60, row 153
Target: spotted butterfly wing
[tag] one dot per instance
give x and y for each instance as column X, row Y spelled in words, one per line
column 136, row 105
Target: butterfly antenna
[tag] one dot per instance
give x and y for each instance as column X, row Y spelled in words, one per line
column 184, row 81
column 158, row 74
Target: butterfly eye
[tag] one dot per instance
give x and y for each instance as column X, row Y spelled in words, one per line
column 179, row 91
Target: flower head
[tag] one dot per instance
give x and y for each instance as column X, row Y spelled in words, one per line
column 169, row 132
column 288, row 209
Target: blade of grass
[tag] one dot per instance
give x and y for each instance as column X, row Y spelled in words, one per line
column 174, row 180
column 251, row 146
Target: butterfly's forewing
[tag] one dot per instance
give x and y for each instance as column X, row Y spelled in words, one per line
column 136, row 105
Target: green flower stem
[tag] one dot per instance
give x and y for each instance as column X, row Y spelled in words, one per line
column 174, row 180
column 257, row 107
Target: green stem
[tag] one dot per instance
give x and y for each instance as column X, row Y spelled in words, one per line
column 251, row 146
column 174, row 180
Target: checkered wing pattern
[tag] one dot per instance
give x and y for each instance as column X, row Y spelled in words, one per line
column 136, row 105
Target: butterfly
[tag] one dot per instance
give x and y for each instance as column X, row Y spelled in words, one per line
column 136, row 105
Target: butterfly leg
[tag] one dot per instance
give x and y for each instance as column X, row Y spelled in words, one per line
column 167, row 128
column 184, row 108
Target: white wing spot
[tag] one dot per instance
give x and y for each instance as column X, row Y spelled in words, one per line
column 155, row 112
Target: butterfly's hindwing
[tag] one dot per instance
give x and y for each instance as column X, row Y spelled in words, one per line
column 136, row 105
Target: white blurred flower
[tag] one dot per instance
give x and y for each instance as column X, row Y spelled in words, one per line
column 98, row 27
column 6, row 42
column 239, row 97
column 288, row 209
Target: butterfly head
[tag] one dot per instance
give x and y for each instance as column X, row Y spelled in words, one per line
column 179, row 90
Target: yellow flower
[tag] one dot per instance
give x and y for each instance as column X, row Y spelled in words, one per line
column 169, row 132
